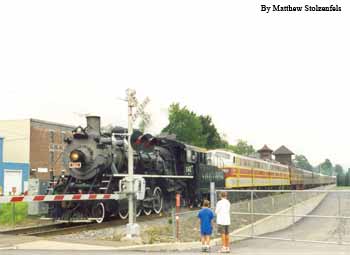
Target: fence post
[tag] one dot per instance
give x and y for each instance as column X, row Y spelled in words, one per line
column 178, row 198
column 340, row 241
column 13, row 214
column 212, row 195
column 173, row 222
column 252, row 212
column 293, row 212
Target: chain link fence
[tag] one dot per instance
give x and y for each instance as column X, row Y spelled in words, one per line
column 316, row 215
column 320, row 216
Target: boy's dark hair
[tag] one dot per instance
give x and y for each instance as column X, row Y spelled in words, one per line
column 206, row 203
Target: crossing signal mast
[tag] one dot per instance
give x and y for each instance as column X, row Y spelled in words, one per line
column 135, row 139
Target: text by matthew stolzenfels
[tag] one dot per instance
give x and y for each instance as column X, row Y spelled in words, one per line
column 305, row 8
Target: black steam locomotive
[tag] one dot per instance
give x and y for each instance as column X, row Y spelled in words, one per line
column 98, row 161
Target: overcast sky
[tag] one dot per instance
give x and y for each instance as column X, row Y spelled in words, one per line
column 277, row 78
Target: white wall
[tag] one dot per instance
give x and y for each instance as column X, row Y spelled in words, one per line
column 16, row 135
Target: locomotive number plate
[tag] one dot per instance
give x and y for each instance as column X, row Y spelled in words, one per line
column 74, row 165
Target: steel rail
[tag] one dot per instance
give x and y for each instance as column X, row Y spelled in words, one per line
column 66, row 228
column 291, row 215
column 281, row 191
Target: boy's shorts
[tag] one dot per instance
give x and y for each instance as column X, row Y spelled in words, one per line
column 223, row 229
column 206, row 232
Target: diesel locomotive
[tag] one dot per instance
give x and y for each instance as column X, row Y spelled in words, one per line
column 247, row 172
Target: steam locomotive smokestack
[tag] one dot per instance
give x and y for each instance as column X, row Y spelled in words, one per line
column 94, row 124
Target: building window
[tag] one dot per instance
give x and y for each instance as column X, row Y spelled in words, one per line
column 62, row 158
column 51, row 136
column 51, row 158
column 63, row 135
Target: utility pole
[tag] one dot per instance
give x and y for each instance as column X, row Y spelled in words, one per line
column 132, row 229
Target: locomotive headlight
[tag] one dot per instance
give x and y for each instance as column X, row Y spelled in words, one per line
column 74, row 156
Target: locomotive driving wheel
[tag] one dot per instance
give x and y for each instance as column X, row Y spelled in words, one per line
column 99, row 212
column 157, row 200
column 138, row 208
column 147, row 205
column 123, row 213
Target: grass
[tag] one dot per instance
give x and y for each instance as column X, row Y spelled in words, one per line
column 21, row 212
column 156, row 234
column 342, row 187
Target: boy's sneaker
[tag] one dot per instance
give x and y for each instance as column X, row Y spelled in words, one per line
column 205, row 248
column 225, row 250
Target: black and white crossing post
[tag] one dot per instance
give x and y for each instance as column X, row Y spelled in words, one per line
column 132, row 229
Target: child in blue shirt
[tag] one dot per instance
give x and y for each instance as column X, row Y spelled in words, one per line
column 206, row 216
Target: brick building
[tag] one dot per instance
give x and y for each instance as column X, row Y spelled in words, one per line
column 35, row 142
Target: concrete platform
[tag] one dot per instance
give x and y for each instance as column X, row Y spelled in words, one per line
column 251, row 247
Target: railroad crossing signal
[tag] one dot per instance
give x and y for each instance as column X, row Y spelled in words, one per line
column 140, row 110
column 143, row 142
column 132, row 228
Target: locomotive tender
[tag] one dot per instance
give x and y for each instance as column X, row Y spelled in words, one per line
column 97, row 162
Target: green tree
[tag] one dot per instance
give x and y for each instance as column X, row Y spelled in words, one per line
column 242, row 147
column 200, row 131
column 302, row 162
column 185, row 125
column 210, row 133
column 338, row 169
column 347, row 178
column 341, row 179
column 326, row 167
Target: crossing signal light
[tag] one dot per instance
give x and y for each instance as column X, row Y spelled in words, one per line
column 143, row 142
column 135, row 140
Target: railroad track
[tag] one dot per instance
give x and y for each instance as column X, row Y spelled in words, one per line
column 34, row 230
column 69, row 228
